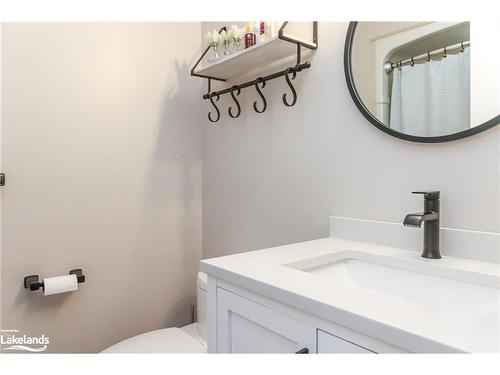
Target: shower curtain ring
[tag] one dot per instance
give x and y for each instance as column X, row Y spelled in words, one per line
column 462, row 46
column 412, row 62
column 428, row 56
column 444, row 50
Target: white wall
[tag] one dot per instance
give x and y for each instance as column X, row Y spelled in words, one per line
column 364, row 61
column 274, row 178
column 101, row 144
column 484, row 76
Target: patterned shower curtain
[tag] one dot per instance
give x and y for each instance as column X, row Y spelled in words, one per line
column 433, row 98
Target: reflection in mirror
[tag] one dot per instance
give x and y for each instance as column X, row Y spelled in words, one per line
column 426, row 79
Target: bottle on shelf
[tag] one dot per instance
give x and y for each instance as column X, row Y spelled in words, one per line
column 250, row 36
column 256, row 31
column 263, row 31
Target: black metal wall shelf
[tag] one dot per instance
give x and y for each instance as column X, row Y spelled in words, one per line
column 284, row 43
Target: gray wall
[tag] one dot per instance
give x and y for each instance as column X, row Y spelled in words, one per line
column 101, row 144
column 274, row 178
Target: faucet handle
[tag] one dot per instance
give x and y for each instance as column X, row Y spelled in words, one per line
column 431, row 195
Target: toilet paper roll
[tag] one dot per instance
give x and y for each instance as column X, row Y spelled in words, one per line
column 59, row 284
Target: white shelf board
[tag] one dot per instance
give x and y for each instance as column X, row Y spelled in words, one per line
column 258, row 56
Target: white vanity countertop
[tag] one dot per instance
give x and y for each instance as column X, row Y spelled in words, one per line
column 402, row 322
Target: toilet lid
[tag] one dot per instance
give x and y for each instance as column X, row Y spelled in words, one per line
column 168, row 340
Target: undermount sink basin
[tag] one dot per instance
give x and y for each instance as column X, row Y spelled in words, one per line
column 422, row 281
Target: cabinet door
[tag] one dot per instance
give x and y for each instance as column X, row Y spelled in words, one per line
column 328, row 343
column 244, row 326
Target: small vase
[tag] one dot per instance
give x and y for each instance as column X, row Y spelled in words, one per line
column 236, row 46
column 215, row 54
column 227, row 49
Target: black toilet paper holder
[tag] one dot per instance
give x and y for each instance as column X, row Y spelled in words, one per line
column 33, row 282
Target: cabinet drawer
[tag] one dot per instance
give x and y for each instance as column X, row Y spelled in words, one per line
column 328, row 343
column 244, row 326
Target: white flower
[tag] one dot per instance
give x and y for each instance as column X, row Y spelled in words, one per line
column 214, row 38
column 236, row 33
column 229, row 34
column 223, row 35
column 226, row 38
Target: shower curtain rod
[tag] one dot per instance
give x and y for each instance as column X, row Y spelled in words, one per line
column 389, row 66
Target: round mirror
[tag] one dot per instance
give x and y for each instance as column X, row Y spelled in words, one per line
column 424, row 81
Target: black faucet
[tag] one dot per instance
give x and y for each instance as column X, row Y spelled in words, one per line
column 430, row 219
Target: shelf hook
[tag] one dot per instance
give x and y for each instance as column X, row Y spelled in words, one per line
column 264, row 102
column 289, row 83
column 217, row 109
column 230, row 109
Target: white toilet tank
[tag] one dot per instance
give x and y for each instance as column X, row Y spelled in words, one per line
column 201, row 305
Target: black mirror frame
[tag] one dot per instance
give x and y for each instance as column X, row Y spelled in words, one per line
column 370, row 117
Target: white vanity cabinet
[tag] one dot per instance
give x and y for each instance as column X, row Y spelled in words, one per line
column 241, row 321
column 244, row 326
column 339, row 296
column 328, row 343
